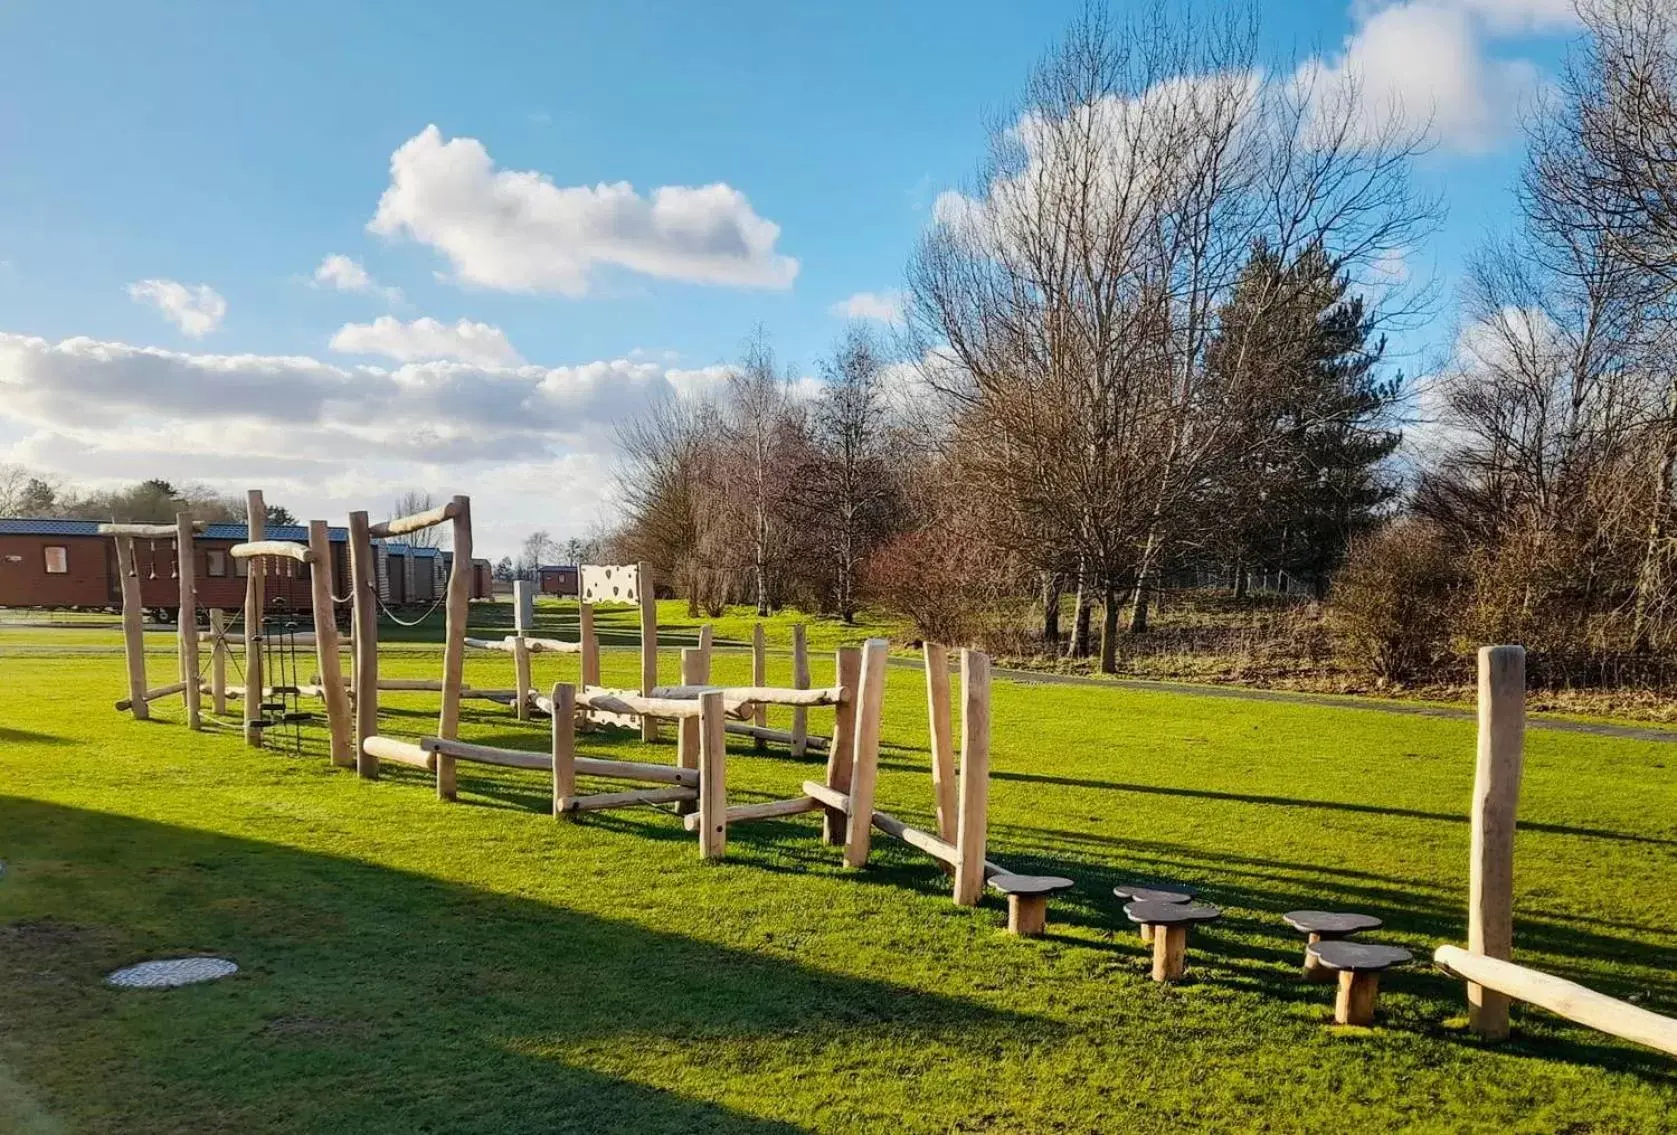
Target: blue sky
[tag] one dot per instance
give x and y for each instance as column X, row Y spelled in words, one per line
column 172, row 178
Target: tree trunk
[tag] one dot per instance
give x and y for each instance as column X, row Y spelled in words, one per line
column 1241, row 580
column 1051, row 609
column 1080, row 624
column 1109, row 630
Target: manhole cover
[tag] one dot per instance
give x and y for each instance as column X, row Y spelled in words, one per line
column 171, row 972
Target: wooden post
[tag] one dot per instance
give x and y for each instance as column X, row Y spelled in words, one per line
column 1027, row 915
column 759, row 677
column 936, row 658
column 1354, row 1004
column 564, row 748
column 1170, row 951
column 695, row 671
column 326, row 646
column 649, row 643
column 363, row 585
column 864, row 768
column 218, row 661
column 971, row 826
column 521, row 676
column 590, row 646
column 447, row 784
column 713, row 772
column 847, row 669
column 186, row 621
column 705, row 638
column 1496, row 795
column 256, row 598
column 454, row 627
column 133, row 628
column 800, row 681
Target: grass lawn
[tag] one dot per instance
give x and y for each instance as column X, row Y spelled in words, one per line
column 414, row 966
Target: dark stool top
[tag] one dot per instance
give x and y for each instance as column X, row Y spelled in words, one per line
column 1153, row 894
column 1361, row 957
column 1154, row 913
column 1330, row 923
column 1029, row 884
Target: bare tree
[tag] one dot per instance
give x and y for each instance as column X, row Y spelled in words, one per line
column 763, row 429
column 417, row 500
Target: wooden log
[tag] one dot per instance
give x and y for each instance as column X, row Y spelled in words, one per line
column 186, row 622
column 870, row 703
column 941, row 850
column 296, row 638
column 759, row 677
column 147, row 531
column 1354, row 1003
column 589, row 766
column 363, row 575
column 1027, row 915
column 487, row 754
column 133, row 627
column 800, row 680
column 551, row 646
column 1496, row 795
column 456, row 610
column 590, row 644
column 617, row 701
column 713, row 772
column 521, row 677
column 256, row 599
column 402, row 752
column 695, row 671
column 284, row 549
column 1170, row 951
column 847, row 670
column 339, row 727
column 563, row 758
column 783, row 736
column 646, row 591
column 755, row 695
column 939, row 721
column 218, row 661
column 430, row 518
column 153, row 694
column 971, row 828
column 835, row 802
column 773, row 809
column 604, row 800
column 1563, row 998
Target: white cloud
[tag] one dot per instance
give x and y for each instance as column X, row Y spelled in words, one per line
column 886, row 307
column 196, row 310
column 464, row 341
column 518, row 231
column 346, row 274
column 1502, row 17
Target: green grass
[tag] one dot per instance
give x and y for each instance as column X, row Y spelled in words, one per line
column 414, row 966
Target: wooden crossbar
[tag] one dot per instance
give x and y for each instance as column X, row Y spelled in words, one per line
column 533, row 645
column 786, row 737
column 759, row 695
column 402, row 752
column 153, row 694
column 622, row 701
column 603, row 800
column 280, row 548
column 413, row 523
column 741, row 813
column 828, row 797
column 147, row 531
column 588, row 766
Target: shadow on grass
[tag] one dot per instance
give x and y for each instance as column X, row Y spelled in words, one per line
column 30, row 737
column 373, row 999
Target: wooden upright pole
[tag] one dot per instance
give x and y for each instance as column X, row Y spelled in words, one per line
column 870, row 699
column 326, row 646
column 133, row 628
column 256, row 595
column 564, row 748
column 649, row 643
column 363, row 585
column 523, row 615
column 759, row 677
column 590, row 645
column 186, row 622
column 939, row 721
column 847, row 675
column 1496, row 795
column 800, row 681
column 973, row 824
column 218, row 661
column 695, row 671
column 713, row 772
column 454, row 627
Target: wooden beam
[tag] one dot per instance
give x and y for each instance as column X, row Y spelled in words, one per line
column 713, row 772
column 146, row 531
column 759, row 677
column 457, row 609
column 1496, row 795
column 402, row 525
column 847, row 671
column 133, row 627
column 800, row 680
column 972, row 824
column 186, row 620
column 339, row 726
column 283, row 549
column 402, row 752
column 563, row 758
column 695, row 671
column 617, row 701
column 835, row 802
column 783, row 736
column 940, row 723
column 870, row 703
column 363, row 586
column 773, row 809
column 649, row 642
column 604, row 800
column 1561, row 997
column 521, row 676
column 256, row 599
column 153, row 694
column 590, row 644
column 939, row 849
column 744, row 695
column 218, row 661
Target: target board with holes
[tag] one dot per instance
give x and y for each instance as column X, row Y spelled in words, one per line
column 613, row 583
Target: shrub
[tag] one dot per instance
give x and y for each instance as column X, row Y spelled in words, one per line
column 946, row 585
column 1394, row 601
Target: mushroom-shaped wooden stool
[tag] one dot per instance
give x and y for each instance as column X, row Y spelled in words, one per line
column 1359, row 965
column 1152, row 894
column 1170, row 922
column 1027, row 900
column 1325, row 926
